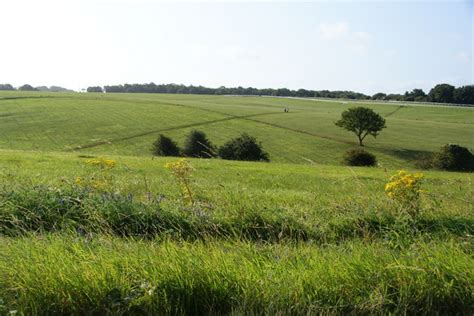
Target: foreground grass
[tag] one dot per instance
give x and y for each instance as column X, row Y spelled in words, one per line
column 45, row 209
column 60, row 274
column 255, row 201
column 260, row 239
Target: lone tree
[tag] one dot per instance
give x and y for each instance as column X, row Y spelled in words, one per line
column 165, row 146
column 362, row 122
column 198, row 145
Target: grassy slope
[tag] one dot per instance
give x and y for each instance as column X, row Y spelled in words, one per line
column 361, row 261
column 128, row 123
column 239, row 185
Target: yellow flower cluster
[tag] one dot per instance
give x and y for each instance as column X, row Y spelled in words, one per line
column 101, row 163
column 404, row 186
column 181, row 168
column 95, row 184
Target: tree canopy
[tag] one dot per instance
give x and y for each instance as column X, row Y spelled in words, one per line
column 442, row 93
column 362, row 122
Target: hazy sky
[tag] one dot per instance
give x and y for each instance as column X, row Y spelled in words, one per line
column 367, row 46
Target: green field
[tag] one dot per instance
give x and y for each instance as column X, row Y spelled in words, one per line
column 127, row 124
column 300, row 235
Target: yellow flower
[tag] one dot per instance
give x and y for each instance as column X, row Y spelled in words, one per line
column 182, row 170
column 101, row 163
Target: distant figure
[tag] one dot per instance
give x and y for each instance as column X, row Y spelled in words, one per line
column 286, row 110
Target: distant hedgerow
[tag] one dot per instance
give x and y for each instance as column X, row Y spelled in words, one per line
column 165, row 146
column 244, row 147
column 359, row 157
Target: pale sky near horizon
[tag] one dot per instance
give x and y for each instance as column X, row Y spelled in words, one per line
column 365, row 46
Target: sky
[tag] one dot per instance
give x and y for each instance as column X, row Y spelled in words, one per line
column 365, row 46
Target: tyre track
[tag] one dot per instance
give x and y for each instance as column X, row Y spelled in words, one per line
column 229, row 117
column 394, row 111
column 107, row 142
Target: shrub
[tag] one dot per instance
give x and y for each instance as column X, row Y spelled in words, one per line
column 165, row 146
column 359, row 157
column 244, row 147
column 454, row 158
column 198, row 146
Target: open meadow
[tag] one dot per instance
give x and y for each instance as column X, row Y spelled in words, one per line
column 92, row 223
column 127, row 124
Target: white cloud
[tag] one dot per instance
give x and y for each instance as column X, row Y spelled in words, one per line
column 235, row 52
column 360, row 41
column 463, row 57
column 363, row 36
column 390, row 53
column 333, row 30
column 357, row 41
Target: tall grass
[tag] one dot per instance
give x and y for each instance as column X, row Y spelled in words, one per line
column 59, row 274
column 43, row 209
column 271, row 239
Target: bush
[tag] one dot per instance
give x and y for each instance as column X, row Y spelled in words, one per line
column 165, row 146
column 359, row 157
column 198, row 146
column 454, row 158
column 244, row 147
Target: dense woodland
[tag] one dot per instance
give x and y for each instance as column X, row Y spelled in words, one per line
column 441, row 93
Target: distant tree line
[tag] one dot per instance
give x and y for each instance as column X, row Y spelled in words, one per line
column 182, row 89
column 441, row 93
column 27, row 87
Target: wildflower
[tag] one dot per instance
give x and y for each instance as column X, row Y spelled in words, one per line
column 102, row 163
column 79, row 181
column 182, row 171
column 405, row 188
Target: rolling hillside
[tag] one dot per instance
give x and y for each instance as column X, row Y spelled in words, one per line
column 127, row 124
column 290, row 237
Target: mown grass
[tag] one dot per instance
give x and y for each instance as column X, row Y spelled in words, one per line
column 70, row 275
column 127, row 124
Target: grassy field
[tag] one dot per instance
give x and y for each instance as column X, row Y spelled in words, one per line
column 300, row 235
column 127, row 124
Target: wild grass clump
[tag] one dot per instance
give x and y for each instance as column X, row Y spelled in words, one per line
column 70, row 275
column 44, row 209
